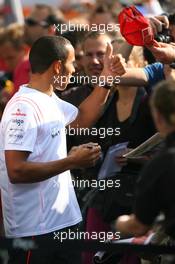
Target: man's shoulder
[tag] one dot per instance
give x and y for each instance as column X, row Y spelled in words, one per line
column 154, row 73
column 25, row 94
column 23, row 101
column 70, row 92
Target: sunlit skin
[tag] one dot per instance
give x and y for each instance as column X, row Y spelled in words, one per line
column 94, row 50
column 57, row 75
column 63, row 72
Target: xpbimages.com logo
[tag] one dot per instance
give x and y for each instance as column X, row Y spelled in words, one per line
column 101, row 132
column 80, row 235
column 102, row 28
column 93, row 80
column 102, row 184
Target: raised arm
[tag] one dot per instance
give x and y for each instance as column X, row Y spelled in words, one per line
column 91, row 107
column 134, row 77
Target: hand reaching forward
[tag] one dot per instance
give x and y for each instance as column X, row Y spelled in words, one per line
column 164, row 53
column 85, row 155
column 158, row 23
column 114, row 65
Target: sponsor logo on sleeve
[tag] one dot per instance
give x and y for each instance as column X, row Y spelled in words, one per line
column 15, row 137
column 55, row 132
column 17, row 121
column 18, row 113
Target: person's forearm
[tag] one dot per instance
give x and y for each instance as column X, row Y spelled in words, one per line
column 134, row 77
column 31, row 172
column 91, row 108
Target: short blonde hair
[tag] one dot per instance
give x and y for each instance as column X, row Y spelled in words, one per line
column 137, row 57
column 14, row 33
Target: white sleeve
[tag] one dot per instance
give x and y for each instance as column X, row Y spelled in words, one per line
column 19, row 126
column 70, row 112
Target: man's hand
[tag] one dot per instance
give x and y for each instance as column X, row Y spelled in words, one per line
column 169, row 72
column 85, row 155
column 157, row 23
column 165, row 53
column 91, row 108
column 114, row 65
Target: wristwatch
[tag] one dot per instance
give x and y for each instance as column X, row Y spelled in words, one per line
column 105, row 85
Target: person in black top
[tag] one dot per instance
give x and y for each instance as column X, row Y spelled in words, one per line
column 155, row 188
column 126, row 118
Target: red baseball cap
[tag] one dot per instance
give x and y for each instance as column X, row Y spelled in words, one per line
column 135, row 28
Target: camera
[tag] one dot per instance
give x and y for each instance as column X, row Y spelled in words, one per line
column 164, row 36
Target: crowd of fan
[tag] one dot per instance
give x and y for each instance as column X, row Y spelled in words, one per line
column 128, row 108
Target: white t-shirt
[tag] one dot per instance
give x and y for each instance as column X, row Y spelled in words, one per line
column 35, row 122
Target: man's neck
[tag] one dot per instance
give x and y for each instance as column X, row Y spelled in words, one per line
column 40, row 83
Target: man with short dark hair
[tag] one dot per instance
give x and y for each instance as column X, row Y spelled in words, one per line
column 37, row 192
column 94, row 47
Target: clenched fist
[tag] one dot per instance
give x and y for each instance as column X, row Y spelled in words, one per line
column 114, row 65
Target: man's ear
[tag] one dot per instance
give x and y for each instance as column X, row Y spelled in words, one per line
column 57, row 66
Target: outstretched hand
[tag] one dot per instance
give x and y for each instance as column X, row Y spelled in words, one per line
column 157, row 23
column 164, row 53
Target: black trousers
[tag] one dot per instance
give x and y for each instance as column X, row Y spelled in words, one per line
column 46, row 256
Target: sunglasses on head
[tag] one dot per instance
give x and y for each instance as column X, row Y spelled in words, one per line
column 32, row 22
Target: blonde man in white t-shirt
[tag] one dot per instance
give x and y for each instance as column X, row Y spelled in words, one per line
column 38, row 197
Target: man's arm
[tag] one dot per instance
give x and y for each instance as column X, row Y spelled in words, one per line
column 92, row 106
column 147, row 76
column 164, row 53
column 20, row 170
column 137, row 76
column 134, row 77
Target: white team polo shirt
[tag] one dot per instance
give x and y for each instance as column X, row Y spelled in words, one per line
column 35, row 122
